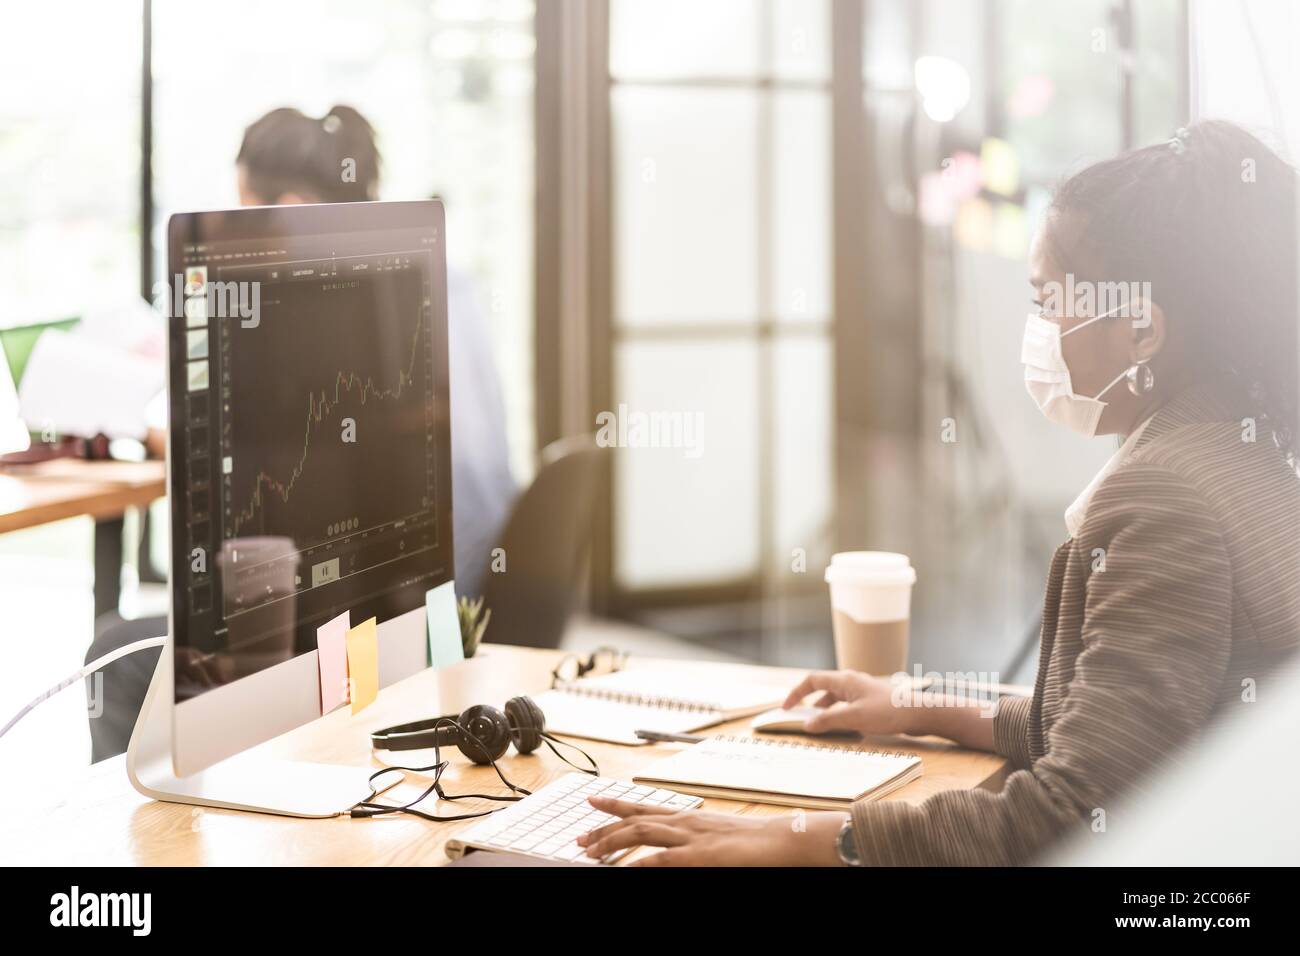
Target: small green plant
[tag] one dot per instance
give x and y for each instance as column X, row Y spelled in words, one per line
column 471, row 627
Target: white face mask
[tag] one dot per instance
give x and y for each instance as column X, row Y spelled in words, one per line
column 1047, row 377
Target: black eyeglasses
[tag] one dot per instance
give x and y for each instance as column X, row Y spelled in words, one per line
column 603, row 660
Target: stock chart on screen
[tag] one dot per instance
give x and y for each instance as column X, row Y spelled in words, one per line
column 334, row 450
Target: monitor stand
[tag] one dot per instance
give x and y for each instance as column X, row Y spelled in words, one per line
column 243, row 782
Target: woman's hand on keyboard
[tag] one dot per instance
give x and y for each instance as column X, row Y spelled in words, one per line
column 696, row 838
column 853, row 701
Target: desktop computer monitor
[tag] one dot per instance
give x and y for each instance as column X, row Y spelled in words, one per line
column 309, row 455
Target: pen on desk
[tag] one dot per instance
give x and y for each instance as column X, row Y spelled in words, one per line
column 656, row 737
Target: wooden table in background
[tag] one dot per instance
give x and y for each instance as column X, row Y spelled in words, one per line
column 94, row 817
column 32, row 495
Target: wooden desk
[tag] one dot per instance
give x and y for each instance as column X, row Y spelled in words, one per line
column 95, row 817
column 32, row 495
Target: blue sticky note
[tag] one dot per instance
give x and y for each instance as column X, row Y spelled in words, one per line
column 444, row 628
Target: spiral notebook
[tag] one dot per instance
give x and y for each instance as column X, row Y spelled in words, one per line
column 783, row 772
column 615, row 706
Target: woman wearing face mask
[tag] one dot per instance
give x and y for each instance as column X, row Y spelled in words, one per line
column 1178, row 589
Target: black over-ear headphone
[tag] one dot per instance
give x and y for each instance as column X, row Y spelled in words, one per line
column 481, row 733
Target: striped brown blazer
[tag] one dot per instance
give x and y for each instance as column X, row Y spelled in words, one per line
column 1174, row 602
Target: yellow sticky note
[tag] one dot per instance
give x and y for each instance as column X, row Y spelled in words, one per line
column 363, row 664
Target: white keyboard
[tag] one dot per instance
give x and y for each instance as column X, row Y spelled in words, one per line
column 548, row 823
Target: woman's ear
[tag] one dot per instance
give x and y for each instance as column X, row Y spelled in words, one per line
column 1147, row 332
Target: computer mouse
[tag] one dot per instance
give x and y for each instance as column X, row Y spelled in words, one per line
column 782, row 720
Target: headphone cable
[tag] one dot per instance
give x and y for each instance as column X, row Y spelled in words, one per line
column 368, row 808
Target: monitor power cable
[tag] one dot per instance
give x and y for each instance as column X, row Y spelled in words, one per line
column 82, row 674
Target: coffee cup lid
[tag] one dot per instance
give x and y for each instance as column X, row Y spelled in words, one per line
column 873, row 568
column 870, row 559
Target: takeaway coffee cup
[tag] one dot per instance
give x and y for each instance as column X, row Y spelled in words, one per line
column 871, row 599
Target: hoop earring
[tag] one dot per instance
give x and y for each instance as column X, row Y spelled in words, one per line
column 1140, row 378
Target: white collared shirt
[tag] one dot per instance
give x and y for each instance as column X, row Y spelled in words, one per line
column 1077, row 512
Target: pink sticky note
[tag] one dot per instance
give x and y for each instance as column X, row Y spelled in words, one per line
column 332, row 651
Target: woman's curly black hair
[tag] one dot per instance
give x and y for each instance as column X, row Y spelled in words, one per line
column 1210, row 220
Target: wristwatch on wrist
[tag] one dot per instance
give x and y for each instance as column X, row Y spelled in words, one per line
column 846, row 846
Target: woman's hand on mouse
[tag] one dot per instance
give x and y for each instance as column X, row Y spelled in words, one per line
column 853, row 701
column 876, row 706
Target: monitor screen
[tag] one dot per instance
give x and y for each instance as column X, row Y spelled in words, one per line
column 309, row 438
